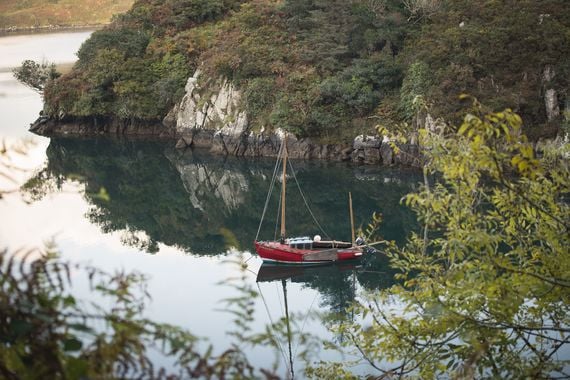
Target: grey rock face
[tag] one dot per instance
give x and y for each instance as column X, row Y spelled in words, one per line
column 99, row 126
column 550, row 95
column 387, row 154
column 214, row 118
column 366, row 149
column 216, row 109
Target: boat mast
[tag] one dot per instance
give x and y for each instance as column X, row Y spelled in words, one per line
column 351, row 217
column 283, row 189
column 284, row 283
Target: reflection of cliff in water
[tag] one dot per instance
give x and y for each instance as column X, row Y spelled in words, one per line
column 204, row 204
column 209, row 184
column 147, row 197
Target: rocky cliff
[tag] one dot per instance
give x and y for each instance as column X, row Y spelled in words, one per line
column 211, row 116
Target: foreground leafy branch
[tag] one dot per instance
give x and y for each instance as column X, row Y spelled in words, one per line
column 46, row 332
column 485, row 292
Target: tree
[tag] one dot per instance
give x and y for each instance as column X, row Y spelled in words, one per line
column 36, row 75
column 486, row 287
column 46, row 332
column 419, row 9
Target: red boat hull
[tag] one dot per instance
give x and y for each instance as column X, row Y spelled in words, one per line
column 272, row 251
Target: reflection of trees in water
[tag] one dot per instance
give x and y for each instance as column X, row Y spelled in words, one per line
column 203, row 204
column 337, row 283
column 337, row 291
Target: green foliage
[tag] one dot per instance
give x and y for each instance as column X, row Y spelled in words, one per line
column 495, row 53
column 311, row 68
column 46, row 332
column 416, row 84
column 259, row 97
column 301, row 67
column 36, row 75
column 175, row 15
column 360, row 87
column 131, row 43
column 187, row 12
column 121, row 80
column 137, row 67
column 325, row 68
column 486, row 286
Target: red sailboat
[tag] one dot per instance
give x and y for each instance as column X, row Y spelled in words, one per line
column 303, row 250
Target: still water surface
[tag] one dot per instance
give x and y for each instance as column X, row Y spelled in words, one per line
column 19, row 105
column 180, row 216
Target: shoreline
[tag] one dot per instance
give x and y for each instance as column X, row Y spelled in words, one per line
column 16, row 30
column 368, row 150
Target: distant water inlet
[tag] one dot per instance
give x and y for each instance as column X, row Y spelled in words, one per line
column 20, row 105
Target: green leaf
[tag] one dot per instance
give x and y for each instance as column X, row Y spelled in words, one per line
column 20, row 328
column 72, row 344
column 80, row 327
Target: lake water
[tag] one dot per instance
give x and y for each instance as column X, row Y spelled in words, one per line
column 19, row 105
column 180, row 216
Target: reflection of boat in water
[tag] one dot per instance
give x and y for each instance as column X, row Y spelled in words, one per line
column 302, row 250
column 309, row 275
column 273, row 272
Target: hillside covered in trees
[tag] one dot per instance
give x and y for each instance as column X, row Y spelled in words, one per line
column 328, row 69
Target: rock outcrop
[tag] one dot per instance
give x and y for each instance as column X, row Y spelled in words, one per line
column 550, row 95
column 211, row 116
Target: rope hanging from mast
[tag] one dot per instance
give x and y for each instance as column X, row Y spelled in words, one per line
column 306, row 203
column 270, row 191
column 282, row 159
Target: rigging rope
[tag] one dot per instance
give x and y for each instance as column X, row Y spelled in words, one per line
column 270, row 190
column 281, row 306
column 305, row 200
column 304, row 322
column 272, row 186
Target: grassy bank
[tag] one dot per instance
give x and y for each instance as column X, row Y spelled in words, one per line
column 24, row 14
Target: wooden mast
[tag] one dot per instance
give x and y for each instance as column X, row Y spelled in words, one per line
column 351, row 217
column 283, row 189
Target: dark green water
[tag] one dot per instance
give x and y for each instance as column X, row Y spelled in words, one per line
column 204, row 204
column 177, row 216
